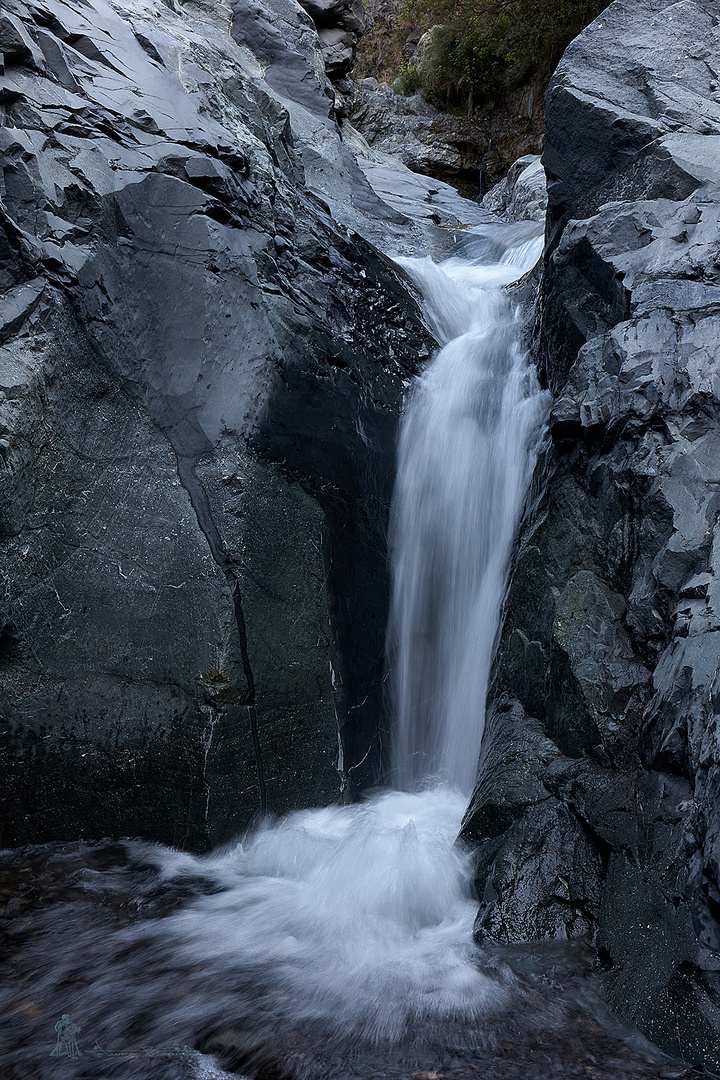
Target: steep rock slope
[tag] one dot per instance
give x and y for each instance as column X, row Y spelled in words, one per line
column 201, row 368
column 597, row 811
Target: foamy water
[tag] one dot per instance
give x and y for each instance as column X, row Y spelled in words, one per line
column 360, row 917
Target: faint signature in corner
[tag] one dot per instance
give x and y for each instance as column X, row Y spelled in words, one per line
column 66, row 1045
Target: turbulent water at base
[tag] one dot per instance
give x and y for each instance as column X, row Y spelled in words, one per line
column 359, row 918
column 467, row 451
column 345, row 927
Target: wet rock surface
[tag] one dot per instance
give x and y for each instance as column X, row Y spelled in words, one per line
column 84, row 933
column 602, row 749
column 202, row 366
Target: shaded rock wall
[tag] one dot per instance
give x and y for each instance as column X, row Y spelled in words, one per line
column 425, row 139
column 597, row 809
column 340, row 25
column 201, row 369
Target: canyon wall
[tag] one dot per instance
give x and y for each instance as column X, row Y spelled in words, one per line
column 203, row 353
column 202, row 362
column 597, row 809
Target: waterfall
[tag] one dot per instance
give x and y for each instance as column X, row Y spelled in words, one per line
column 467, row 450
column 358, row 920
column 347, row 930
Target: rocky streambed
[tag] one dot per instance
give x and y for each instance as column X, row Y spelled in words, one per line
column 84, row 939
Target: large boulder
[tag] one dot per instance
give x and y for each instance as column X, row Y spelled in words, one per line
column 605, row 690
column 201, row 369
column 522, row 195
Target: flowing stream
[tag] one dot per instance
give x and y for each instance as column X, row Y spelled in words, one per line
column 350, row 927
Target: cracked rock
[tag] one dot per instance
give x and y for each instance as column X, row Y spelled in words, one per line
column 610, row 646
column 202, row 366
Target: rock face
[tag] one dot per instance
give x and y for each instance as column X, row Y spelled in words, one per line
column 201, row 369
column 340, row 24
column 598, row 809
column 522, row 195
column 425, row 139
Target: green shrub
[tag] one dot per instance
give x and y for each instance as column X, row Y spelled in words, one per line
column 494, row 46
column 409, row 79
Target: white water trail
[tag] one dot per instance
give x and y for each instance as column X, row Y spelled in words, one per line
column 467, row 450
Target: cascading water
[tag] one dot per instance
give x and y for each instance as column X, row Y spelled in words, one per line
column 467, row 451
column 359, row 919
column 351, row 927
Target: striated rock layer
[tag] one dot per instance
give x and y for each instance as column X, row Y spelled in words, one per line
column 598, row 808
column 201, row 369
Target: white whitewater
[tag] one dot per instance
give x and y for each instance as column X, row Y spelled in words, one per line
column 358, row 920
column 467, row 451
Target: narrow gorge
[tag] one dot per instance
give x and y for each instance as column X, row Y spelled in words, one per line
column 320, row 484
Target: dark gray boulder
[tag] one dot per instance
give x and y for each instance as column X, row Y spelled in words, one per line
column 604, row 702
column 522, row 195
column 203, row 360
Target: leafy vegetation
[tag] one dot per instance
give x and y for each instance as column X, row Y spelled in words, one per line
column 489, row 47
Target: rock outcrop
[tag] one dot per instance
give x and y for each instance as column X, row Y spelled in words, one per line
column 425, row 139
column 203, row 359
column 522, row 195
column 340, row 25
column 598, row 811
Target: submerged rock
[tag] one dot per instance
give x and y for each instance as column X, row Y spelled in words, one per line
column 610, row 646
